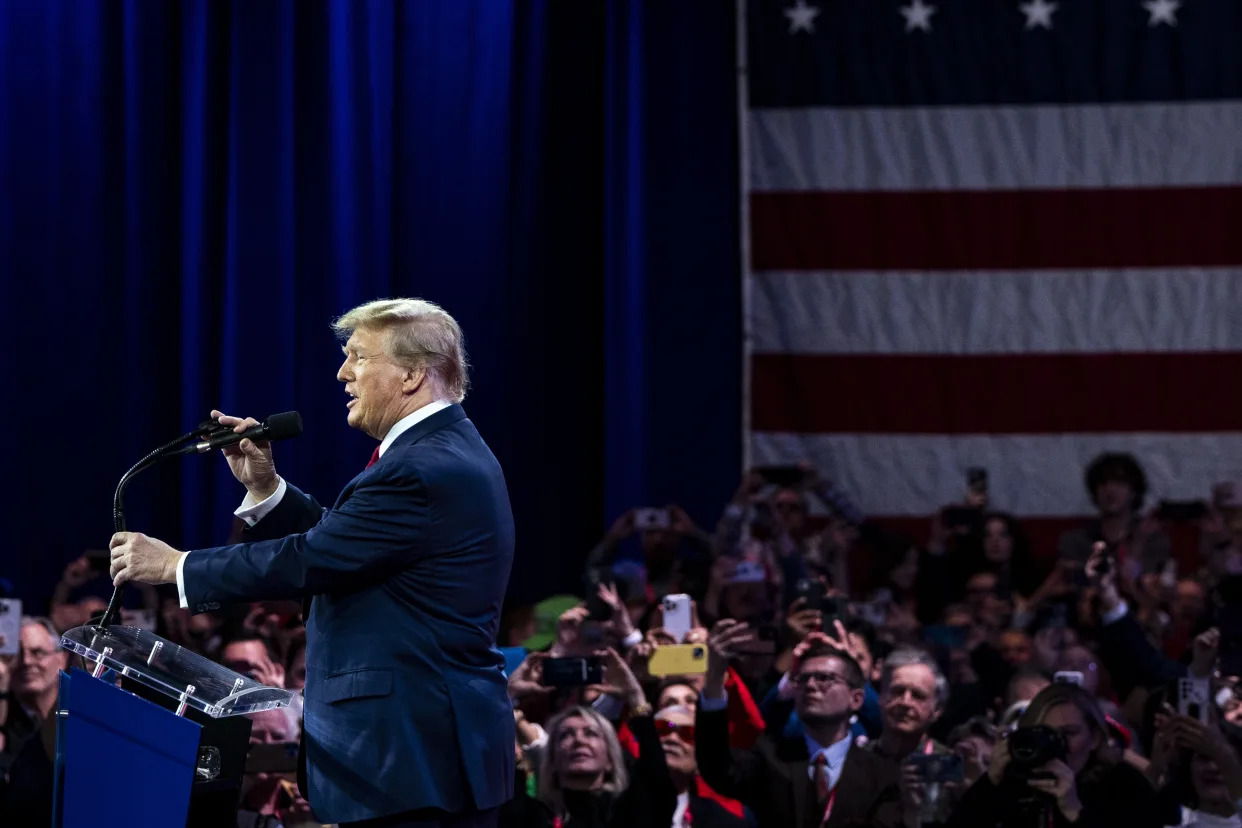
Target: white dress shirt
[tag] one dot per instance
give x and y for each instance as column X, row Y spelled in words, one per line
column 252, row 511
column 834, row 753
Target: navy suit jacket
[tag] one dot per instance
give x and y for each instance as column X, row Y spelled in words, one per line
column 406, row 701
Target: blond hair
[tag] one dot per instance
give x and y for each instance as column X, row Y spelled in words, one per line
column 418, row 334
column 616, row 779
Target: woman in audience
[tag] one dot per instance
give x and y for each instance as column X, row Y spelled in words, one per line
column 1072, row 778
column 586, row 780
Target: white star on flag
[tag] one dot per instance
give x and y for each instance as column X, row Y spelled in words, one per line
column 802, row 17
column 1038, row 13
column 1162, row 11
column 918, row 16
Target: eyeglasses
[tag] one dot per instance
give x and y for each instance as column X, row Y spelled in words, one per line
column 685, row 732
column 804, row 679
column 37, row 654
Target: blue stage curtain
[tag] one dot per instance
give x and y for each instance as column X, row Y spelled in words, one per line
column 191, row 191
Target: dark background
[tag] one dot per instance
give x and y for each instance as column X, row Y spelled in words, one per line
column 191, row 191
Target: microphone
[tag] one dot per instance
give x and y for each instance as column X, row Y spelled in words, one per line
column 276, row 427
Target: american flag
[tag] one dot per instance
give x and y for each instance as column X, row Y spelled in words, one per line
column 994, row 233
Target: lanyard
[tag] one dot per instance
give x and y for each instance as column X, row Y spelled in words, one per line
column 832, row 798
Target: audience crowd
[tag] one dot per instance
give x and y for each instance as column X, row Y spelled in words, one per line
column 799, row 666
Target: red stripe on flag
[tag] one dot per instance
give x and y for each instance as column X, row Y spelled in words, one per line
column 945, row 230
column 1000, row 394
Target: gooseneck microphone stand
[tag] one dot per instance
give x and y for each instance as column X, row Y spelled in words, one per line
column 210, row 427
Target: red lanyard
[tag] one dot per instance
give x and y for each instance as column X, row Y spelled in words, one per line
column 832, row 798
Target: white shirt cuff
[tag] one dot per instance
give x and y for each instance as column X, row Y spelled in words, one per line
column 253, row 511
column 1115, row 614
column 708, row 704
column 181, row 580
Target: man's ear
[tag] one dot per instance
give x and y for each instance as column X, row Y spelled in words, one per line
column 856, row 699
column 413, row 380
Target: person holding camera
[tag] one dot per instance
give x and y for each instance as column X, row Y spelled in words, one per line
column 1058, row 769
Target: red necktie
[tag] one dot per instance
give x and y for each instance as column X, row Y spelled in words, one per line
column 822, row 790
column 374, row 457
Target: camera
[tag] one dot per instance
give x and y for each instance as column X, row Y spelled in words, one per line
column 938, row 767
column 1032, row 747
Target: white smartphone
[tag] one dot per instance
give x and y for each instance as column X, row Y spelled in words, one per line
column 652, row 519
column 1068, row 677
column 677, row 620
column 1193, row 698
column 10, row 626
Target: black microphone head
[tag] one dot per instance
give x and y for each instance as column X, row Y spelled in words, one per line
column 283, row 426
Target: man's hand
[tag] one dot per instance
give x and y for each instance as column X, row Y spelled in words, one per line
column 569, row 631
column 76, row 573
column 722, row 646
column 622, row 527
column 527, row 680
column 1062, row 787
column 136, row 557
column 1104, row 581
column 801, row 621
column 1206, row 647
column 250, row 462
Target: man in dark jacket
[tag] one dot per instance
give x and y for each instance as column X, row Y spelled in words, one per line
column 818, row 778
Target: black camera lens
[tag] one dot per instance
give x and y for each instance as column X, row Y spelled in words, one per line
column 698, row 652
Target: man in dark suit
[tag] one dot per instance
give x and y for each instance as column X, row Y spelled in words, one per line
column 407, row 718
column 818, row 778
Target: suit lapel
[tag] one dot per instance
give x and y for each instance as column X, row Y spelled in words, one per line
column 792, row 753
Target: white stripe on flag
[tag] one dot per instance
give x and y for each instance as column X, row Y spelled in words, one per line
column 1002, row 312
column 1001, row 147
column 1036, row 476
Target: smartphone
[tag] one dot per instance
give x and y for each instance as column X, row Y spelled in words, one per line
column 787, row 477
column 938, row 767
column 10, row 626
column 677, row 618
column 272, row 757
column 572, row 672
column 1192, row 698
column 1182, row 511
column 977, row 479
column 678, row 660
column 651, row 518
column 812, row 591
column 1067, row 677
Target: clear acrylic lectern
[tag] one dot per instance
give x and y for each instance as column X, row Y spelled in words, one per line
column 149, row 740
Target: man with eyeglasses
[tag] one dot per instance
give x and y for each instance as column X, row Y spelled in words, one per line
column 33, row 686
column 816, row 779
